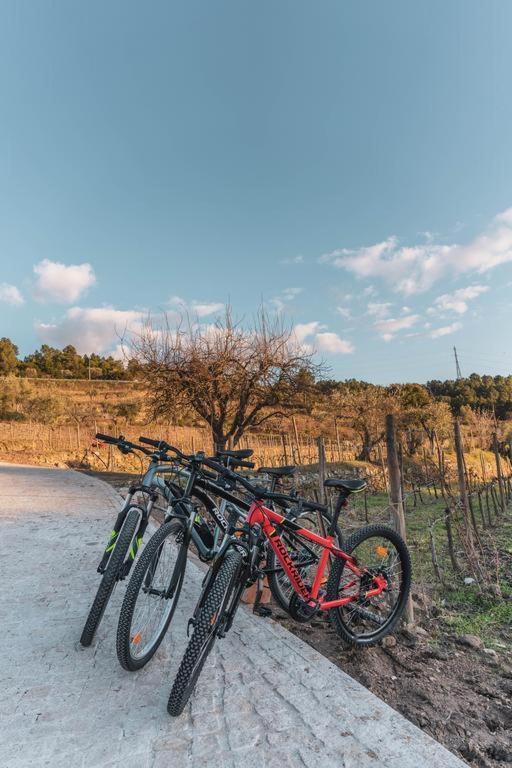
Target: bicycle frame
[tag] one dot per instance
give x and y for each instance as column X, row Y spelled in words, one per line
column 260, row 515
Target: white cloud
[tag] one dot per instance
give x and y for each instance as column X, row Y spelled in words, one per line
column 314, row 337
column 199, row 308
column 388, row 328
column 414, row 269
column 445, row 330
column 303, row 331
column 379, row 310
column 208, row 308
column 458, row 300
column 11, row 295
column 332, row 344
column 343, row 312
column 90, row 329
column 61, row 283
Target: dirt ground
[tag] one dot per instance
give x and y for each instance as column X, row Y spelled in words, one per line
column 459, row 695
column 462, row 696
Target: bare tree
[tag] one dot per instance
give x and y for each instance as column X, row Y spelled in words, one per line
column 363, row 407
column 233, row 376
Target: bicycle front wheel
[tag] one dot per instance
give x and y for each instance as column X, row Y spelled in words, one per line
column 381, row 552
column 152, row 596
column 209, row 622
column 111, row 574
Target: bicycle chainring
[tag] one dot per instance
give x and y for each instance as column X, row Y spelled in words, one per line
column 300, row 610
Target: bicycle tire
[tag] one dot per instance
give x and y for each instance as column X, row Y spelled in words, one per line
column 110, row 576
column 280, row 592
column 124, row 628
column 205, row 632
column 336, row 614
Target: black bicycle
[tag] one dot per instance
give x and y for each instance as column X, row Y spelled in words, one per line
column 126, row 537
column 193, row 518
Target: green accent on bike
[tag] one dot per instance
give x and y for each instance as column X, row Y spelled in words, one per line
column 135, row 547
column 112, row 538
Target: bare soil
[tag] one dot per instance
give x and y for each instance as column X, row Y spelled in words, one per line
column 461, row 696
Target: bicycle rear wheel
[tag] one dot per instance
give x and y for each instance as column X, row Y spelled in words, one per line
column 111, row 574
column 209, row 622
column 151, row 596
column 378, row 551
column 305, row 555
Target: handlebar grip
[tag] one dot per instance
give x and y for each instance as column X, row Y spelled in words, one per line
column 246, row 464
column 150, row 441
column 107, row 438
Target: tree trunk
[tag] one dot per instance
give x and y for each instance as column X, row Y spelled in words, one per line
column 219, row 440
column 366, row 448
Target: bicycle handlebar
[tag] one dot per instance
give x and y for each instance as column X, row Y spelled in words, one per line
column 107, row 438
column 123, row 444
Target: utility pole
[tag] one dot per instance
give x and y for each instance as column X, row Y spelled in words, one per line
column 457, row 366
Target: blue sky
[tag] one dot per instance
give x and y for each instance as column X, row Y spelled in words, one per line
column 348, row 163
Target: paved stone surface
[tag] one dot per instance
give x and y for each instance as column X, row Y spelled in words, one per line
column 264, row 699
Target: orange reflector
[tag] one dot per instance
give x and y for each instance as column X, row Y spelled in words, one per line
column 136, row 638
column 381, row 551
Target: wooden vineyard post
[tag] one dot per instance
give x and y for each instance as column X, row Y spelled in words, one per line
column 499, row 474
column 297, row 446
column 381, row 459
column 461, row 472
column 340, row 455
column 395, row 492
column 321, row 469
column 283, row 443
column 321, row 480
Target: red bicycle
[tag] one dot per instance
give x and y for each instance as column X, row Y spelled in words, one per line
column 364, row 586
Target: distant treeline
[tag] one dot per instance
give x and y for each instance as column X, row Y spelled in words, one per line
column 479, row 393
column 67, row 363
column 486, row 393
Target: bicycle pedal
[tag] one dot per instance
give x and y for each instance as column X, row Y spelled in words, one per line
column 263, row 611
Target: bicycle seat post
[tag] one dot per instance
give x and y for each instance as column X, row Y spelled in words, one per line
column 341, row 502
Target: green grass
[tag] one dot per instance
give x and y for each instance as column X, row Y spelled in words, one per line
column 466, row 611
column 474, row 614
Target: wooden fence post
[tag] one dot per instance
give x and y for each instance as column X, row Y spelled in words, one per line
column 381, row 459
column 283, row 443
column 321, row 480
column 397, row 506
column 296, row 439
column 461, row 472
column 321, row 469
column 340, row 455
column 499, row 473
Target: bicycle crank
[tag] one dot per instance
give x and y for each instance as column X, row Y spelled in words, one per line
column 300, row 610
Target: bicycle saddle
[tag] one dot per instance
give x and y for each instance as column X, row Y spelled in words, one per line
column 243, row 453
column 277, row 471
column 348, row 486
